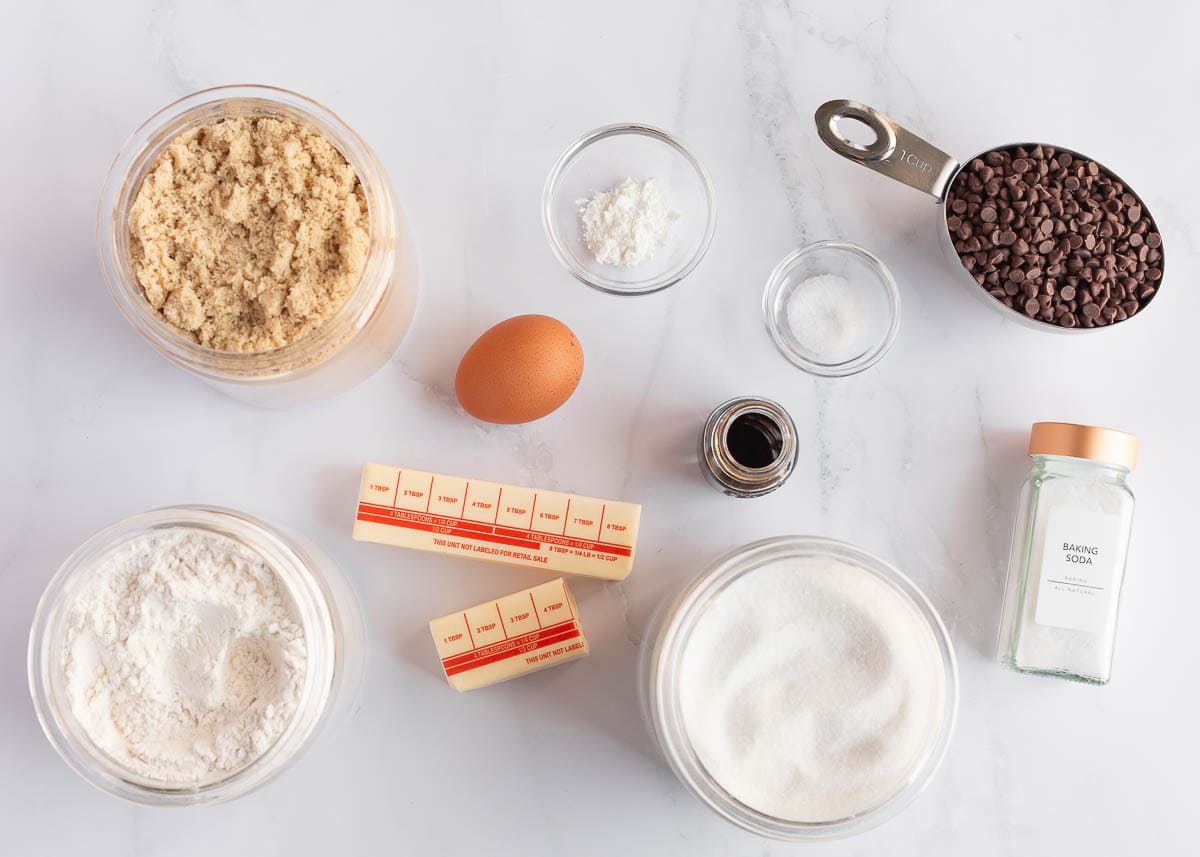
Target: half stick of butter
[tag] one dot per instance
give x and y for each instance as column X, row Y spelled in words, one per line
column 510, row 637
column 557, row 532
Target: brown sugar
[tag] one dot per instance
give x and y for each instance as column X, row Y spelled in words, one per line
column 248, row 233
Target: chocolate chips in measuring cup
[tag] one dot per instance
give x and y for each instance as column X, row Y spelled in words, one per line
column 1054, row 236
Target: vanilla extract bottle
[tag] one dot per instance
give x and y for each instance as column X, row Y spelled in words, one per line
column 1069, row 547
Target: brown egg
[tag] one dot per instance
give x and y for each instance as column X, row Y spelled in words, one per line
column 520, row 370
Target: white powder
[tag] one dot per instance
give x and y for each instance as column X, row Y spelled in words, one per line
column 812, row 690
column 627, row 224
column 184, row 658
column 1101, row 512
column 826, row 316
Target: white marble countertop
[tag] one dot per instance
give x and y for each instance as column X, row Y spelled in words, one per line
column 919, row 459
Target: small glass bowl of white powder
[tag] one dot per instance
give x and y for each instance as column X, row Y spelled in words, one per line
column 187, row 655
column 802, row 688
column 628, row 209
column 832, row 308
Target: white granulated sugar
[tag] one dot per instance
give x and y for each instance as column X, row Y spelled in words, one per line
column 627, row 224
column 184, row 658
column 826, row 316
column 812, row 690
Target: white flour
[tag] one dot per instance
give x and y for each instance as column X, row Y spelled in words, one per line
column 184, row 657
column 812, row 690
column 627, row 224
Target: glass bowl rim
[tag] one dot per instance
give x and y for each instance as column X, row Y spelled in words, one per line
column 314, row 347
column 891, row 294
column 678, row 620
column 557, row 242
column 321, row 676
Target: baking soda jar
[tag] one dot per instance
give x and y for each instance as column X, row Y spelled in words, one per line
column 1067, row 563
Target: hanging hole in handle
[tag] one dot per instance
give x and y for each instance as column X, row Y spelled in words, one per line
column 832, row 127
column 855, row 132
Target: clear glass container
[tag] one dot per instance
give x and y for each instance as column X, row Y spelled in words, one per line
column 853, row 334
column 1067, row 561
column 328, row 612
column 352, row 344
column 748, row 447
column 663, row 656
column 600, row 159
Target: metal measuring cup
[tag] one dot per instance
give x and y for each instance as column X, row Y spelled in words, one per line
column 901, row 155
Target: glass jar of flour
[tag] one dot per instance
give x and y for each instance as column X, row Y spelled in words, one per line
column 1069, row 546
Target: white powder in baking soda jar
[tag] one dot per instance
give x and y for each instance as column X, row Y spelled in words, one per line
column 184, row 656
column 812, row 690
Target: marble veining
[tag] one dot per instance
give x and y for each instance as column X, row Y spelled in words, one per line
column 918, row 459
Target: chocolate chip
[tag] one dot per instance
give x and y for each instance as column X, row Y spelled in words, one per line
column 1054, row 236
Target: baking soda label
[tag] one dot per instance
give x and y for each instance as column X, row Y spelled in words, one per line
column 1078, row 558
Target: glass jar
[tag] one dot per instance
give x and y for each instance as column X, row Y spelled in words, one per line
column 1069, row 546
column 747, row 447
column 664, row 653
column 344, row 350
column 327, row 610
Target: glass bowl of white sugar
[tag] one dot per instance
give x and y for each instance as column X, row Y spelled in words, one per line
column 832, row 308
column 186, row 656
column 802, row 688
column 628, row 209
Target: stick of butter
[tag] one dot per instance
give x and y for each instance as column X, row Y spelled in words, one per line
column 501, row 523
column 503, row 639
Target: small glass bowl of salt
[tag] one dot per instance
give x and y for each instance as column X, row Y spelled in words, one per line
column 832, row 308
column 628, row 209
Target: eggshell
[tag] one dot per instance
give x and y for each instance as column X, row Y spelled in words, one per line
column 520, row 370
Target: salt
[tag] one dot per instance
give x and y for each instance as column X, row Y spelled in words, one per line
column 812, row 690
column 825, row 316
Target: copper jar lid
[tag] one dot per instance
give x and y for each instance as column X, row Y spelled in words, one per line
column 1079, row 441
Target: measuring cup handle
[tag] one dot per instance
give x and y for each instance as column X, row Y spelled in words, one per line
column 895, row 152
